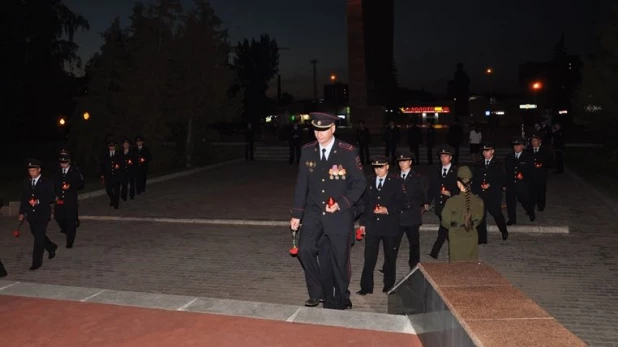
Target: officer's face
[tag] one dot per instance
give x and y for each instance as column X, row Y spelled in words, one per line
column 140, row 143
column 381, row 171
column 64, row 164
column 535, row 142
column 34, row 172
column 126, row 145
column 324, row 136
column 405, row 165
column 445, row 159
column 111, row 148
column 518, row 148
column 488, row 153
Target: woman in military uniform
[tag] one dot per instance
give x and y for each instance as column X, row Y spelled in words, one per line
column 461, row 215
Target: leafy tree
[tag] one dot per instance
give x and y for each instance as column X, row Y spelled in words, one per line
column 256, row 63
column 35, row 88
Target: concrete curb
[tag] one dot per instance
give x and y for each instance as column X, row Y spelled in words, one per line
column 540, row 229
column 261, row 310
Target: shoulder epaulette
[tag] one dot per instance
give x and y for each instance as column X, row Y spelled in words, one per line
column 310, row 144
column 346, row 146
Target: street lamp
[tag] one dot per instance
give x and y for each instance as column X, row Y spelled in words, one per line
column 537, row 86
column 333, row 78
column 489, row 71
column 61, row 122
column 86, row 115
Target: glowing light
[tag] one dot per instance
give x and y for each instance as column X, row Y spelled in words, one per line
column 424, row 109
column 527, row 106
column 563, row 112
column 86, row 115
column 537, row 85
column 62, row 122
column 333, row 77
column 489, row 71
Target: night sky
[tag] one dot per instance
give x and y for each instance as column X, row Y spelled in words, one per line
column 430, row 36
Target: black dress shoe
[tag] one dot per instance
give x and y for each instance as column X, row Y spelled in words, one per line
column 505, row 236
column 52, row 253
column 312, row 302
column 321, row 299
column 541, row 209
column 532, row 217
column 364, row 292
column 381, row 271
column 511, row 222
column 34, row 267
column 386, row 289
column 348, row 305
column 435, row 256
column 62, row 231
column 69, row 245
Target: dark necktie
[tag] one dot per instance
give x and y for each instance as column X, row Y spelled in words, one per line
column 536, row 150
column 33, row 183
column 380, row 183
column 64, row 171
column 111, row 154
column 403, row 175
column 444, row 173
column 323, row 154
column 486, row 162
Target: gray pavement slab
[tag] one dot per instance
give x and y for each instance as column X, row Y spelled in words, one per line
column 243, row 308
column 574, row 276
column 147, row 300
column 48, row 291
column 350, row 319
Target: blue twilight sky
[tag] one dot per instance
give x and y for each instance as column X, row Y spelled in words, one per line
column 430, row 36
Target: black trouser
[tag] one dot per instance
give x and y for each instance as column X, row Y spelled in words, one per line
column 66, row 217
column 128, row 184
column 372, row 249
column 249, row 150
column 519, row 192
column 442, row 236
column 2, row 270
column 335, row 259
column 430, row 154
column 538, row 190
column 41, row 241
column 330, row 294
column 141, row 175
column 390, row 151
column 412, row 233
column 456, row 156
column 363, row 152
column 415, row 149
column 559, row 154
column 294, row 153
column 112, row 187
column 493, row 205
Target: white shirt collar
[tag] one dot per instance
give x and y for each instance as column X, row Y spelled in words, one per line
column 405, row 172
column 380, row 178
column 36, row 179
column 67, row 169
column 489, row 160
column 447, row 167
column 518, row 154
column 328, row 147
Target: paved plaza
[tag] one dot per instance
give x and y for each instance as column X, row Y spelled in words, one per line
column 573, row 276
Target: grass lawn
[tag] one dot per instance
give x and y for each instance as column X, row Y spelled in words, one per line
column 11, row 177
column 592, row 164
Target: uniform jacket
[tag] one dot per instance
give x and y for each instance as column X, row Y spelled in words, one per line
column 130, row 161
column 492, row 174
column 392, row 195
column 437, row 183
column 463, row 244
column 75, row 181
column 514, row 167
column 44, row 193
column 541, row 161
column 112, row 168
column 143, row 158
column 340, row 177
column 416, row 196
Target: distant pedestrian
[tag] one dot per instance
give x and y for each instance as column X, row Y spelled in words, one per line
column 475, row 139
column 249, row 142
column 391, row 140
column 67, row 182
column 112, row 173
column 144, row 158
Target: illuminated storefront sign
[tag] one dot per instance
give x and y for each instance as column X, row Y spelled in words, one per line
column 527, row 106
column 426, row 109
column 563, row 112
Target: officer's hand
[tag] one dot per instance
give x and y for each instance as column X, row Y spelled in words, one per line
column 362, row 228
column 294, row 223
column 21, row 217
column 332, row 209
column 446, row 192
column 381, row 210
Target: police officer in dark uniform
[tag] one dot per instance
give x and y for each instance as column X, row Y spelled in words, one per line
column 442, row 186
column 144, row 157
column 36, row 198
column 542, row 160
column 487, row 183
column 518, row 170
column 67, row 182
column 112, row 173
column 385, row 199
column 329, row 168
column 411, row 219
column 130, row 162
